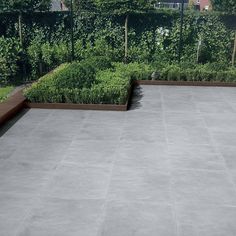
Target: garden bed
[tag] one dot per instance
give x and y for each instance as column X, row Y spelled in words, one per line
column 11, row 106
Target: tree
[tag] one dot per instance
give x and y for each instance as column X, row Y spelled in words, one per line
column 228, row 6
column 25, row 5
column 224, row 5
column 124, row 7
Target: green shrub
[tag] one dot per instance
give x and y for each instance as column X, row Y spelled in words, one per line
column 136, row 71
column 99, row 62
column 76, row 75
column 198, row 73
column 10, row 51
column 74, row 83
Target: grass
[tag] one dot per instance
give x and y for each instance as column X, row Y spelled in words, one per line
column 4, row 92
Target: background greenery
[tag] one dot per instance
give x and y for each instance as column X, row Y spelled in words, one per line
column 153, row 36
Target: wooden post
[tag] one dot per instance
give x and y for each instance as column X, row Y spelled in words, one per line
column 20, row 28
column 126, row 38
column 199, row 47
column 234, row 51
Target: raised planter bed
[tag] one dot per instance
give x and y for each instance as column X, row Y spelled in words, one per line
column 186, row 83
column 10, row 107
column 72, row 106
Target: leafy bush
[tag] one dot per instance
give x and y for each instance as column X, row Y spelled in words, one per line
column 199, row 73
column 75, row 83
column 136, row 71
column 76, row 75
column 10, row 51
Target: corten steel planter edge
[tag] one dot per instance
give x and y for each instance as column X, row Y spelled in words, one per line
column 186, row 83
column 10, row 107
column 74, row 106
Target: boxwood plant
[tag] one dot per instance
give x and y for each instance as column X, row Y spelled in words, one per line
column 81, row 82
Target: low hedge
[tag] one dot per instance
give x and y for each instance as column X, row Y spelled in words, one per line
column 199, row 73
column 80, row 82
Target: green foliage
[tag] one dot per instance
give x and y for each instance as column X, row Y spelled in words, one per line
column 4, row 92
column 25, row 5
column 73, row 83
column 76, row 75
column 198, row 73
column 224, row 5
column 10, row 51
column 136, row 71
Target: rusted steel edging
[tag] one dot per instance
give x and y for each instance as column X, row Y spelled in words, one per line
column 10, row 107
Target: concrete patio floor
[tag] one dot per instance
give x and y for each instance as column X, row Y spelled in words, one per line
column 167, row 167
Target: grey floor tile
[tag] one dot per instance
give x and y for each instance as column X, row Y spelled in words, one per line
column 184, row 135
column 176, row 105
column 141, row 154
column 91, row 153
column 214, row 107
column 128, row 184
column 98, row 132
column 75, row 182
column 181, row 119
column 220, row 122
column 139, row 219
column 194, row 220
column 144, row 133
column 209, row 187
column 64, row 218
column 23, row 178
column 222, row 138
column 13, row 211
column 229, row 155
column 195, row 157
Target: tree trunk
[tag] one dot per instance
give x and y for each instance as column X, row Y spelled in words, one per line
column 20, row 28
column 199, row 47
column 126, row 38
column 234, row 51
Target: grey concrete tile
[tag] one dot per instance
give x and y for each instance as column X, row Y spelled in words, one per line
column 184, row 119
column 75, row 182
column 91, row 153
column 222, row 138
column 208, row 187
column 220, row 122
column 147, row 106
column 99, row 132
column 206, row 220
column 129, row 184
column 64, row 217
column 176, row 105
column 144, row 118
column 40, row 152
column 114, row 118
column 148, row 92
column 6, row 150
column 139, row 219
column 144, row 133
column 195, row 157
column 56, row 131
column 187, row 135
column 13, row 211
column 229, row 155
column 142, row 154
column 23, row 178
column 214, row 107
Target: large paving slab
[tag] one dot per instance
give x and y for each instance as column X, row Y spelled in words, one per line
column 167, row 167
